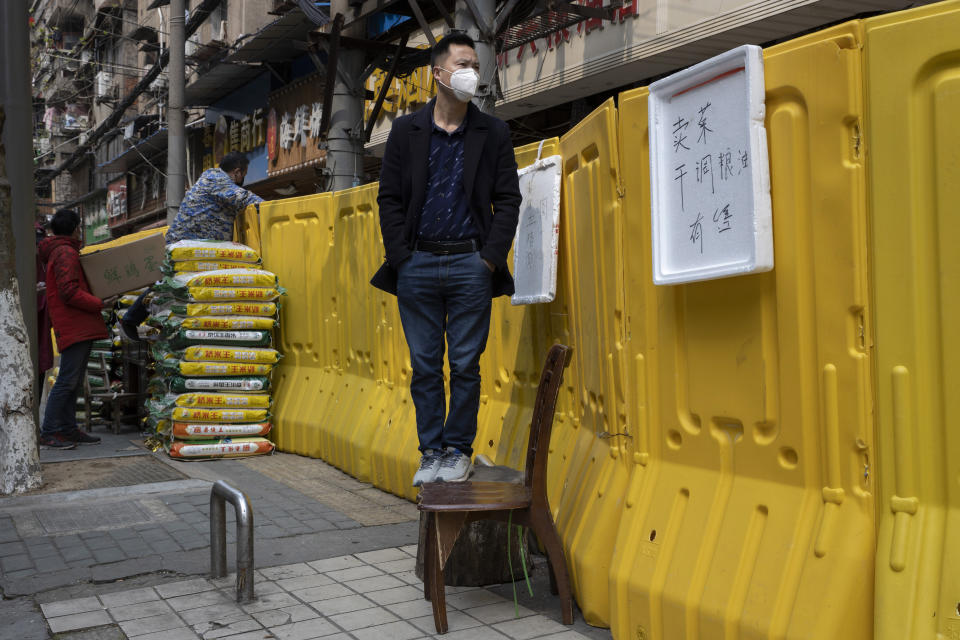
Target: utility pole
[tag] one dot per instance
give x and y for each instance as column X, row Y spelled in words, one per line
column 19, row 459
column 176, row 131
column 345, row 137
column 479, row 26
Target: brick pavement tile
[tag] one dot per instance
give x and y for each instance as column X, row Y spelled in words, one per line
column 412, row 609
column 16, row 563
column 225, row 612
column 43, row 551
column 410, row 577
column 457, row 621
column 295, row 531
column 397, row 566
column 276, row 617
column 192, row 541
column 50, row 564
column 322, row 593
column 109, row 555
column 102, row 542
column 530, row 627
column 179, row 633
column 382, row 555
column 67, row 607
column 499, row 612
column 124, row 534
column 184, row 587
column 133, row 547
column 78, row 621
column 473, row 633
column 319, row 524
column 285, row 571
column 135, row 610
column 345, row 604
column 410, row 550
column 12, row 548
column 472, row 598
column 79, row 552
column 268, row 531
column 263, row 587
column 304, row 582
column 354, row 573
column 286, row 522
column 566, row 635
column 395, row 595
column 196, row 600
column 271, row 601
column 68, row 540
column 153, row 624
column 376, row 583
column 335, row 564
column 181, row 507
column 23, row 573
column 306, row 630
column 166, row 546
column 220, row 629
column 363, row 618
column 132, row 596
column 398, row 630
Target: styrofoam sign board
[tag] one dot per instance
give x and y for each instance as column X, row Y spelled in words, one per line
column 709, row 171
column 538, row 231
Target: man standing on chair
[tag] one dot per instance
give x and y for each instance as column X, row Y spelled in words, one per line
column 449, row 201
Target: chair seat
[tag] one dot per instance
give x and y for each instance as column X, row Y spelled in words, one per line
column 473, row 496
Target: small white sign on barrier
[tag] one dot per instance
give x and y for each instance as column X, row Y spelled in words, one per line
column 538, row 230
column 709, row 171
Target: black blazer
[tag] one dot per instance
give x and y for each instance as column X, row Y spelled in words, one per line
column 489, row 179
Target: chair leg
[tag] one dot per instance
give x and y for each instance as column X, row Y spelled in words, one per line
column 545, row 530
column 437, row 582
column 427, row 558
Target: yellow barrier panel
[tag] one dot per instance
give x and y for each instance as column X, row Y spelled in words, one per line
column 297, row 246
column 588, row 477
column 913, row 86
column 247, row 228
column 748, row 513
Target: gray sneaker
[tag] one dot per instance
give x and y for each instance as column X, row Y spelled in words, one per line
column 455, row 467
column 429, row 465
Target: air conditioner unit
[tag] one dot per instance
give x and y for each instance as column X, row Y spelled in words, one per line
column 219, row 31
column 159, row 83
column 104, row 84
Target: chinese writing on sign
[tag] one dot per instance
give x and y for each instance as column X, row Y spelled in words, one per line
column 710, row 195
column 703, row 163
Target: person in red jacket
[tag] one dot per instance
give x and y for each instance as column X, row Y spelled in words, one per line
column 75, row 314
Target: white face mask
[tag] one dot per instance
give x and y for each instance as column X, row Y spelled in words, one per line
column 463, row 83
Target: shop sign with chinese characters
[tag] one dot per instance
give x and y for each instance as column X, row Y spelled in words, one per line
column 246, row 134
column 294, row 116
column 709, row 172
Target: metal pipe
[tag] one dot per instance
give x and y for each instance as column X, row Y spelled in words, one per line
column 219, row 495
column 176, row 131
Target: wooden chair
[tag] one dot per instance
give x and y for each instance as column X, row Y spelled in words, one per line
column 449, row 506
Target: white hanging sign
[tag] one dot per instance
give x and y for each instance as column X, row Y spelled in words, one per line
column 709, row 172
column 538, row 231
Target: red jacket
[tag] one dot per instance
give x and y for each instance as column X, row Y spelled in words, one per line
column 74, row 311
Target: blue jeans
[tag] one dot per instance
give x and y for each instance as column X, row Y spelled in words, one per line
column 437, row 295
column 61, row 412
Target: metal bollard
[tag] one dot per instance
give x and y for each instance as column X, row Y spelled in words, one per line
column 220, row 493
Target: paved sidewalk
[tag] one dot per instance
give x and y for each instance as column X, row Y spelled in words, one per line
column 365, row 596
column 334, row 557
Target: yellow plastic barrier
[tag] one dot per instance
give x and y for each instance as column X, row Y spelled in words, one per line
column 247, row 228
column 748, row 513
column 913, row 90
column 713, row 462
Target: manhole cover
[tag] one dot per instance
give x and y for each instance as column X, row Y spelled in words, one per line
column 100, row 473
column 115, row 515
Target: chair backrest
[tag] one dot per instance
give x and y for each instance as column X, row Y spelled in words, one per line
column 538, row 446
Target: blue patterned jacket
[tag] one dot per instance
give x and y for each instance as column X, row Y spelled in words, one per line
column 209, row 208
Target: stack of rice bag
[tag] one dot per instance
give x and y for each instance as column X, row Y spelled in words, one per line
column 215, row 310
